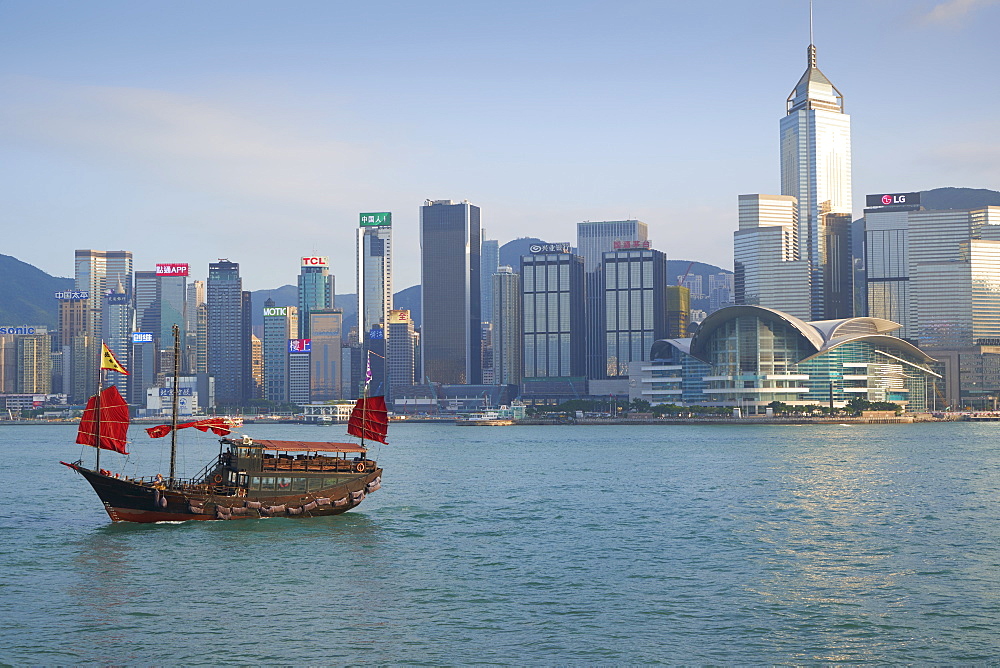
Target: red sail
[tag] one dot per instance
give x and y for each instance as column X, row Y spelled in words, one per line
column 369, row 419
column 219, row 427
column 113, row 419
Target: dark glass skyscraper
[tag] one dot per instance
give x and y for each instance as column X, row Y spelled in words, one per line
column 593, row 239
column 451, row 336
column 228, row 353
column 634, row 306
column 553, row 313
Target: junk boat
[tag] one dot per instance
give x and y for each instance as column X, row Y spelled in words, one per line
column 248, row 479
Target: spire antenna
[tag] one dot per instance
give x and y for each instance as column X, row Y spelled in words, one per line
column 811, row 51
column 811, row 22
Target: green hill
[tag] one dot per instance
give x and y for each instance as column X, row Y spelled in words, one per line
column 28, row 294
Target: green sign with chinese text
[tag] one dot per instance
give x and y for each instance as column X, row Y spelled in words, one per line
column 383, row 219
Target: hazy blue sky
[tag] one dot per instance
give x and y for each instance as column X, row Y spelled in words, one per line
column 257, row 131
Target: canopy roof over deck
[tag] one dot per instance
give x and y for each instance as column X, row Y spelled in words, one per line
column 305, row 446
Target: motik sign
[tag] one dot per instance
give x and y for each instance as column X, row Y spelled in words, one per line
column 893, row 199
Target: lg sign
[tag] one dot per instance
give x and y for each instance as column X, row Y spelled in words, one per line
column 315, row 262
column 894, row 199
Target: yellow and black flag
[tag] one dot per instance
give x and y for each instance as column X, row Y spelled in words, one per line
column 109, row 361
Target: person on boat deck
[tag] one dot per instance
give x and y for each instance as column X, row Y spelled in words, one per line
column 158, row 481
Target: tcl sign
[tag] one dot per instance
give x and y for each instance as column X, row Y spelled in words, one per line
column 172, row 269
column 315, row 262
column 893, row 199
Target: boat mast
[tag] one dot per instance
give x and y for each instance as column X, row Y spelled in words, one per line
column 175, row 393
column 97, row 410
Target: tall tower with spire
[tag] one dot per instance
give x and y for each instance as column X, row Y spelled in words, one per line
column 816, row 170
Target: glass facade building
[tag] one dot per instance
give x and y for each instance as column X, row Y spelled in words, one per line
column 118, row 323
column 95, row 272
column 281, row 323
column 635, row 315
column 553, row 312
column 593, row 239
column 400, row 352
column 749, row 356
column 768, row 269
column 451, row 335
column 508, row 326
column 374, row 287
column 326, row 329
column 316, row 290
column 228, row 333
column 816, row 171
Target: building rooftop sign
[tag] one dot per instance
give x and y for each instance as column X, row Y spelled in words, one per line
column 383, row 219
column 893, row 199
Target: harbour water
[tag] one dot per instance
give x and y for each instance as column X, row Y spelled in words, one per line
column 530, row 545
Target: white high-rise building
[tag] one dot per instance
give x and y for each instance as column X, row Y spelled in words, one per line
column 816, row 171
column 769, row 271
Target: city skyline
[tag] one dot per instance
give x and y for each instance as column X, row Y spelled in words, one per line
column 188, row 133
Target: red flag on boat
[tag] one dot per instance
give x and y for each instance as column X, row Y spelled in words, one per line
column 218, row 426
column 369, row 419
column 113, row 421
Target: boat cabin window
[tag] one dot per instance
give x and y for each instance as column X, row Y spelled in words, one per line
column 265, row 483
column 298, row 484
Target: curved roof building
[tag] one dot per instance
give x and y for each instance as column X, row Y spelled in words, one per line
column 749, row 356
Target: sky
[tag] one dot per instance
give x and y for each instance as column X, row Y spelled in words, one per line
column 189, row 131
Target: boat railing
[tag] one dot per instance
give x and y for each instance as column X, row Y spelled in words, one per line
column 202, row 475
column 331, row 464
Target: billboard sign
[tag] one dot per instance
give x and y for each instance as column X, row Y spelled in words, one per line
column 142, row 337
column 549, row 248
column 316, row 261
column 376, row 333
column 383, row 219
column 73, row 295
column 117, row 298
column 299, row 345
column 24, row 329
column 399, row 315
column 631, row 244
column 172, row 269
column 893, row 199
column 182, row 392
column 276, row 311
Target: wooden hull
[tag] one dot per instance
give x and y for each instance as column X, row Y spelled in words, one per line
column 132, row 501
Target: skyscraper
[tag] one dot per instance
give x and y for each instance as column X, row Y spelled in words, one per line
column 95, row 273
column 316, row 290
column 508, row 326
column 635, row 306
column 119, row 323
column 327, row 331
column 593, row 239
column 766, row 252
column 228, row 353
column 552, row 287
column 281, row 323
column 490, row 263
column 400, row 348
column 172, row 291
column 450, row 276
column 816, row 171
column 374, row 287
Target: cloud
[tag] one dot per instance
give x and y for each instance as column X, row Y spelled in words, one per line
column 953, row 12
column 199, row 144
